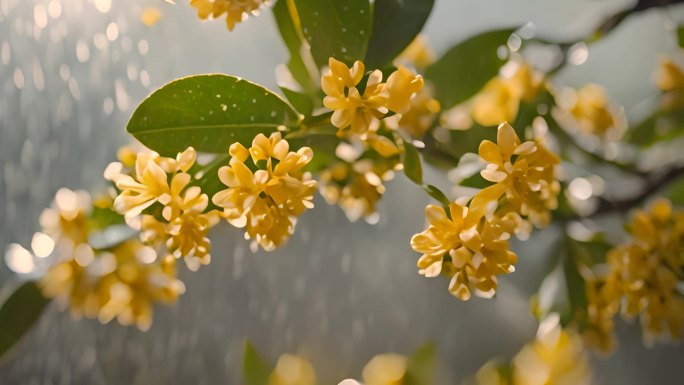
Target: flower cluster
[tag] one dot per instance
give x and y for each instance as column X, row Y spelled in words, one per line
column 588, row 110
column 236, row 11
column 122, row 282
column 645, row 276
column 266, row 202
column 359, row 114
column 182, row 224
column 499, row 100
column 356, row 187
column 557, row 356
column 466, row 246
column 525, row 173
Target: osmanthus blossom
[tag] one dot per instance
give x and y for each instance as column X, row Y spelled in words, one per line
column 292, row 370
column 236, row 11
column 669, row 78
column 499, row 100
column 385, row 369
column 466, row 246
column 266, row 202
column 526, row 171
column 643, row 278
column 589, row 110
column 183, row 225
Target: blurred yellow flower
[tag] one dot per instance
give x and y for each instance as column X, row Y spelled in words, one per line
column 385, row 369
column 466, row 246
column 266, row 202
column 499, row 100
column 670, row 80
column 292, row 370
column 122, row 283
column 602, row 306
column 557, row 356
column 356, row 188
column 526, row 170
column 645, row 274
column 418, row 54
column 590, row 111
column 236, row 11
column 150, row 16
column 66, row 222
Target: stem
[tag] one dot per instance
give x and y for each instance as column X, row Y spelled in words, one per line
column 316, row 120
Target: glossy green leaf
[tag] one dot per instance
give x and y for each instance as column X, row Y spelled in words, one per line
column 395, row 24
column 465, row 68
column 334, row 28
column 209, row 113
column 421, row 366
column 437, row 194
column 323, row 145
column 413, row 167
column 255, row 369
column 299, row 55
column 103, row 217
column 19, row 312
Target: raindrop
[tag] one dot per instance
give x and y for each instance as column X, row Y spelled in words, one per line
column 143, row 47
column 40, row 16
column 82, row 51
column 18, row 259
column 18, row 78
column 42, row 245
column 103, row 6
column 54, row 9
column 112, row 31
column 5, row 53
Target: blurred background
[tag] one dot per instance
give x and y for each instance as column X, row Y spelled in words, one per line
column 71, row 73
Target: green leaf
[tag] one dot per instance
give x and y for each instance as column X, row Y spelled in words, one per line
column 19, row 312
column 209, row 113
column 299, row 56
column 421, row 366
column 302, row 103
column 465, row 68
column 437, row 194
column 103, row 217
column 680, row 36
column 334, row 28
column 660, row 126
column 413, row 167
column 254, row 368
column 675, row 191
column 323, row 146
column 395, row 24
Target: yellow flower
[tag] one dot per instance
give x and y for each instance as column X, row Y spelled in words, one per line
column 602, row 306
column 489, row 374
column 266, row 202
column 500, row 98
column 122, row 283
column 589, row 111
column 645, row 274
column 385, row 369
column 361, row 112
column 356, row 188
column 670, row 80
column 66, row 222
column 401, row 85
column 466, row 246
column 557, row 356
column 235, row 10
column 292, row 370
column 527, row 170
column 418, row 54
column 420, row 116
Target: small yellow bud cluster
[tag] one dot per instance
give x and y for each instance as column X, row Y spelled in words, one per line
column 557, row 356
column 644, row 277
column 356, row 187
column 183, row 225
column 499, row 100
column 359, row 115
column 121, row 283
column 670, row 80
column 236, row 11
column 267, row 202
column 589, row 111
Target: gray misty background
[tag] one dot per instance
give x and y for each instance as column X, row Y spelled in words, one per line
column 339, row 292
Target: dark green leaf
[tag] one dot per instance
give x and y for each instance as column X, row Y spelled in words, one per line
column 413, row 167
column 254, row 368
column 395, row 24
column 18, row 313
column 208, row 112
column 437, row 194
column 302, row 103
column 209, row 181
column 103, row 217
column 323, row 146
column 299, row 56
column 421, row 366
column 680, row 36
column 466, row 67
column 662, row 125
column 334, row 28
column 675, row 191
